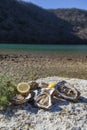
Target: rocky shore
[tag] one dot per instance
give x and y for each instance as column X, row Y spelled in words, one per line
column 63, row 115
column 25, row 66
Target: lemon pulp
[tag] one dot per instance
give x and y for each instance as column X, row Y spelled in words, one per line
column 23, row 88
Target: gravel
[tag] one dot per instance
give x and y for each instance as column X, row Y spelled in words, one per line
column 63, row 115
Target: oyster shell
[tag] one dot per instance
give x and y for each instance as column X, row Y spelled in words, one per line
column 43, row 85
column 57, row 96
column 20, row 99
column 67, row 91
column 43, row 101
column 33, row 85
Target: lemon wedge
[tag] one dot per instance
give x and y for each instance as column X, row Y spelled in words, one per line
column 23, row 88
column 52, row 85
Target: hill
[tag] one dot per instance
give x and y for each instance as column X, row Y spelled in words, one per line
column 22, row 22
column 77, row 18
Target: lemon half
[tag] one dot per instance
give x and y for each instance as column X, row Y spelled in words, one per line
column 52, row 85
column 23, row 88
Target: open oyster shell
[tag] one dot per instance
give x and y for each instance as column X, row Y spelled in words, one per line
column 43, row 99
column 20, row 99
column 67, row 91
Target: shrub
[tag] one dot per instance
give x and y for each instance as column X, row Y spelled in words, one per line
column 7, row 90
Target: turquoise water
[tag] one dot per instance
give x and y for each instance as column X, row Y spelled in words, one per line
column 56, row 48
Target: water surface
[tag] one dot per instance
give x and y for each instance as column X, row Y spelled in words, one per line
column 52, row 48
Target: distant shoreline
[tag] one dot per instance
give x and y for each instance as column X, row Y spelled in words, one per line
column 25, row 43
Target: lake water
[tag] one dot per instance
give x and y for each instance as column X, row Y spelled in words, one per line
column 54, row 48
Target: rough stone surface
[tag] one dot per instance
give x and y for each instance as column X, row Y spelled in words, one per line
column 63, row 115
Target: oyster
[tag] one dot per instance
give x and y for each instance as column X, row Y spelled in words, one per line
column 57, row 96
column 33, row 85
column 43, row 85
column 44, row 99
column 20, row 99
column 67, row 91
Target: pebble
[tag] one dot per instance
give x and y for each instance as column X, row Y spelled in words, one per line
column 62, row 116
column 76, row 128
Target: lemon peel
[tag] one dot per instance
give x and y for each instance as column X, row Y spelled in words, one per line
column 52, row 85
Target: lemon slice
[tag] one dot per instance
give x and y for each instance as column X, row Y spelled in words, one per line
column 23, row 88
column 52, row 85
